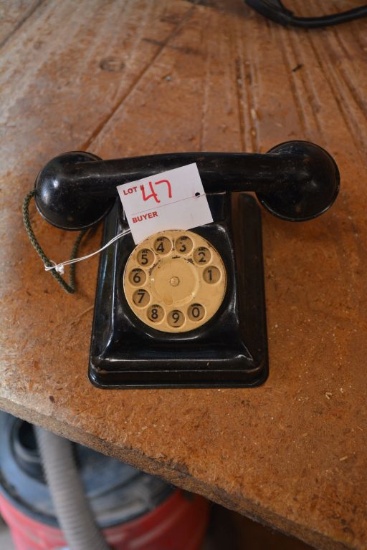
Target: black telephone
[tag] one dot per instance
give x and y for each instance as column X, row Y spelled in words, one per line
column 185, row 308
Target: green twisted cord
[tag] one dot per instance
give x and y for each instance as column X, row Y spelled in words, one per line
column 68, row 287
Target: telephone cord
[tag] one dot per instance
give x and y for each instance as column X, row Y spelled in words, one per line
column 68, row 287
column 276, row 11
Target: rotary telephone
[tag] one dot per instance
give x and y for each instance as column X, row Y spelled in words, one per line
column 185, row 308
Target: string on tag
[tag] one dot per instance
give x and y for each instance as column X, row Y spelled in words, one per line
column 60, row 267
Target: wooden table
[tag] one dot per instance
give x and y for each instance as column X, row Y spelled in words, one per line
column 130, row 78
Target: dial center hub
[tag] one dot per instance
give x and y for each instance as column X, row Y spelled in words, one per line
column 175, row 280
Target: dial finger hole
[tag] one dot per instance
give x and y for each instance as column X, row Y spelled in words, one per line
column 162, row 245
column 145, row 257
column 184, row 245
column 211, row 274
column 141, row 297
column 202, row 255
column 137, row 277
column 155, row 313
column 196, row 312
column 176, row 318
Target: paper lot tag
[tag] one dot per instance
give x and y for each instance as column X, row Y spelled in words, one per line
column 170, row 200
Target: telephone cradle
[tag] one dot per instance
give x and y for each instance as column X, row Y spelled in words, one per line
column 185, row 308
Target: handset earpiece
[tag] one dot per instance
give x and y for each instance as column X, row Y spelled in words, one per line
column 60, row 197
column 295, row 181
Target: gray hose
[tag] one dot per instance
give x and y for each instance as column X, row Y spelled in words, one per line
column 71, row 505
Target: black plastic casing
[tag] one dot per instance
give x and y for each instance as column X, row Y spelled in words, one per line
column 228, row 351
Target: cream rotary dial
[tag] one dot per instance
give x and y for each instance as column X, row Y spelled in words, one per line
column 174, row 281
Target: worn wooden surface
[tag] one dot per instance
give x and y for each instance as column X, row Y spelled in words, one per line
column 128, row 78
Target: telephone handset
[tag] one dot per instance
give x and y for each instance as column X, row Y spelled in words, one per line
column 185, row 308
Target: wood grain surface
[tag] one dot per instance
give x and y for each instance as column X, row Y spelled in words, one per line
column 127, row 78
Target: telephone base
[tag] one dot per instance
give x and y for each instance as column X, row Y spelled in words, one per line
column 230, row 350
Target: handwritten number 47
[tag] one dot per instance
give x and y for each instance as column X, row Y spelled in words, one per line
column 154, row 193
